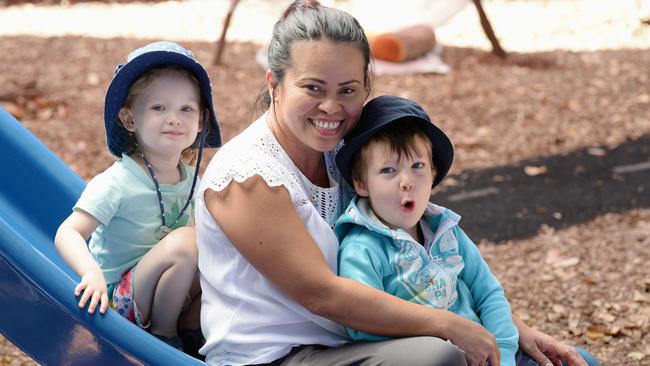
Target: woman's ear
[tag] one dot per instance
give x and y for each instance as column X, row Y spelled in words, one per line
column 360, row 188
column 271, row 84
column 126, row 118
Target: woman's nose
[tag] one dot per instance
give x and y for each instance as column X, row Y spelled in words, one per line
column 330, row 106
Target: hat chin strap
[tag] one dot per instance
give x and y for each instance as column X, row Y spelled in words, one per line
column 198, row 164
column 168, row 228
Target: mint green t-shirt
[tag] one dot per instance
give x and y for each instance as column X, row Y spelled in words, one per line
column 123, row 199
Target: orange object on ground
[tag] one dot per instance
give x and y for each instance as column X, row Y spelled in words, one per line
column 404, row 44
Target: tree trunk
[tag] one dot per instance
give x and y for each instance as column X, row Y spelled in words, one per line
column 487, row 28
column 221, row 44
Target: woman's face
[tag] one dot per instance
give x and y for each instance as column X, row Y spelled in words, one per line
column 321, row 96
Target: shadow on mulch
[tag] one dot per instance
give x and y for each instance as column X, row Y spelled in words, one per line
column 513, row 202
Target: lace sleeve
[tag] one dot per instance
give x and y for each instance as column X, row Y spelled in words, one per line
column 239, row 161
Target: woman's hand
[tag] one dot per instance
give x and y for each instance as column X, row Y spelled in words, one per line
column 546, row 350
column 479, row 345
column 93, row 286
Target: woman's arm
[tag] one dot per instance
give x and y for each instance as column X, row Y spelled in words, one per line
column 265, row 228
column 70, row 241
column 544, row 349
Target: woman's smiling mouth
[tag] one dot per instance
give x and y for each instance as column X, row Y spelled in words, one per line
column 325, row 125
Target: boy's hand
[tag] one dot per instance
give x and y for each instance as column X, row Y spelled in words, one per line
column 93, row 286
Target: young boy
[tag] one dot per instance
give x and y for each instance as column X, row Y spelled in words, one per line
column 394, row 239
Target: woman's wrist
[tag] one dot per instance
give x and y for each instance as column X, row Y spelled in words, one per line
column 442, row 323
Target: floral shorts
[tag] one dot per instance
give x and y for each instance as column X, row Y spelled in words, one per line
column 123, row 302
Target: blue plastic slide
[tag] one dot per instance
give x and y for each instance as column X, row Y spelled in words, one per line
column 38, row 311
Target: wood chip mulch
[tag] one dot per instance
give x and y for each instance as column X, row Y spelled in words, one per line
column 588, row 284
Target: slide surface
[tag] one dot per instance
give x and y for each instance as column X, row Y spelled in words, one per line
column 39, row 312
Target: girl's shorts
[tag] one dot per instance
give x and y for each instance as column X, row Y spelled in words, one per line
column 122, row 299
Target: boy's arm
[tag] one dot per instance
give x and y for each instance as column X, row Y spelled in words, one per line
column 490, row 302
column 70, row 241
column 360, row 263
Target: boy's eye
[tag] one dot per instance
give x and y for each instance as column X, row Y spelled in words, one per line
column 418, row 165
column 387, row 170
column 158, row 108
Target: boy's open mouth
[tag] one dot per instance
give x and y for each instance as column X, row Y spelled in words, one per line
column 408, row 205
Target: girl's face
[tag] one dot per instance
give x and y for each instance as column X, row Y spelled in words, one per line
column 165, row 116
column 398, row 188
column 321, row 96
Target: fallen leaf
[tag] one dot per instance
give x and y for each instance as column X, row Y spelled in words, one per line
column 565, row 262
column 533, row 171
column 558, row 309
column 605, row 317
column 642, row 298
column 596, row 151
column 636, row 355
column 595, row 332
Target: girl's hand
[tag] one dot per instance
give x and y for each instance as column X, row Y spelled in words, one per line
column 546, row 350
column 93, row 286
column 479, row 345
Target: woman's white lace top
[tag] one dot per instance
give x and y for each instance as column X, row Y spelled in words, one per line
column 245, row 318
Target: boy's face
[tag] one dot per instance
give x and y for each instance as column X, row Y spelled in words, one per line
column 398, row 189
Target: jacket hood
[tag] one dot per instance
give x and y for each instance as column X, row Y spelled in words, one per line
column 359, row 213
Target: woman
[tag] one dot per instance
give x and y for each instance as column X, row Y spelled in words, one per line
column 264, row 212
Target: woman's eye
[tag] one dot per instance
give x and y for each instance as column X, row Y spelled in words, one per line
column 387, row 170
column 347, row 91
column 313, row 88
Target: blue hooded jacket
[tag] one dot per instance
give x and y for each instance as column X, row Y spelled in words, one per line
column 447, row 273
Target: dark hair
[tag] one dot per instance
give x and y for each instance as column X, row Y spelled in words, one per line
column 309, row 20
column 400, row 139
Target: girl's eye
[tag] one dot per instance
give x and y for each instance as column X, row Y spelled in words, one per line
column 418, row 165
column 387, row 170
column 158, row 108
column 187, row 108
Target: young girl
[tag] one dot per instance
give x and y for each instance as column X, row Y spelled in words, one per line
column 142, row 258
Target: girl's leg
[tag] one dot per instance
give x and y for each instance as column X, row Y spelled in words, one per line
column 163, row 278
column 413, row 351
column 190, row 318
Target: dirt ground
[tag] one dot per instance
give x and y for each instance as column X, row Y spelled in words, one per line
column 579, row 269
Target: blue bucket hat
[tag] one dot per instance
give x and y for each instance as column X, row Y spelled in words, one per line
column 382, row 111
column 153, row 55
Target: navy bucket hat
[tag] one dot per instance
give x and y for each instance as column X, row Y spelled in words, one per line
column 382, row 111
column 153, row 55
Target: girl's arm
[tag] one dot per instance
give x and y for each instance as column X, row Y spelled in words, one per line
column 70, row 241
column 265, row 228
